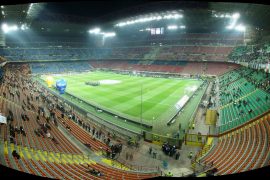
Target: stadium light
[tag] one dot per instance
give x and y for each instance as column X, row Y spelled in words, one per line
column 229, row 27
column 182, row 27
column 172, row 27
column 240, row 27
column 109, row 34
column 7, row 28
column 235, row 15
column 30, row 6
column 94, row 31
column 23, row 27
column 227, row 15
column 148, row 18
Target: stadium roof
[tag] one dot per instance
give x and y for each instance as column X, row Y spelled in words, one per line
column 79, row 16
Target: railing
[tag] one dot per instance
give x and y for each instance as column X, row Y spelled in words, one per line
column 196, row 164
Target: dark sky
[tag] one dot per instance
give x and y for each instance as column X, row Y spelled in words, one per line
column 104, row 11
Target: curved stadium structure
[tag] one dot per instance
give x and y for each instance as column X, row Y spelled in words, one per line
column 182, row 90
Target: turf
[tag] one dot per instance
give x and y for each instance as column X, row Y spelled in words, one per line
column 159, row 95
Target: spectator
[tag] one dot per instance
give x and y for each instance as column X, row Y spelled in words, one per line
column 15, row 154
column 154, row 155
column 150, row 150
column 190, row 155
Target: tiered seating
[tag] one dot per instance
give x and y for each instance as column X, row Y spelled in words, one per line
column 192, row 52
column 241, row 98
column 253, row 54
column 241, row 150
column 39, row 155
column 59, row 67
column 181, row 67
column 236, row 114
column 82, row 135
column 71, row 171
column 31, row 139
column 46, row 53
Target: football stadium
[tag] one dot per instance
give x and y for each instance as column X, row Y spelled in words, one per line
column 135, row 90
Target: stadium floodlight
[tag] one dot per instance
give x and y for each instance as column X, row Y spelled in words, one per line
column 5, row 28
column 229, row 27
column 227, row 15
column 240, row 27
column 14, row 28
column 23, row 27
column 151, row 17
column 159, row 18
column 177, row 16
column 109, row 34
column 94, row 31
column 235, row 15
column 182, row 27
column 172, row 27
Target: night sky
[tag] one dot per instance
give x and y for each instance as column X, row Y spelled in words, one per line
column 109, row 10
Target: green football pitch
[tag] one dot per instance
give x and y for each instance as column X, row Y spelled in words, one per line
column 130, row 95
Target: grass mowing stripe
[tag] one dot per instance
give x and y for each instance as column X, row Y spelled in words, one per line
column 159, row 94
column 148, row 95
column 134, row 94
column 149, row 106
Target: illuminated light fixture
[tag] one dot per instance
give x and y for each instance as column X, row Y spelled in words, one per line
column 240, row 27
column 234, row 19
column 235, row 15
column 7, row 28
column 172, row 27
column 141, row 30
column 94, row 31
column 2, row 7
column 182, row 27
column 3, row 13
column 230, row 27
column 23, row 27
column 150, row 18
column 227, row 16
column 30, row 6
column 109, row 34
